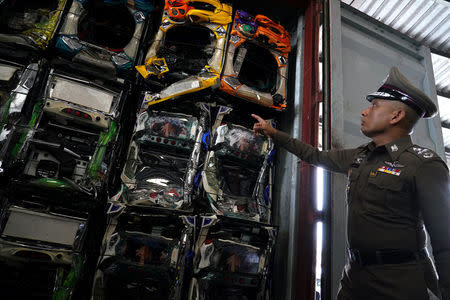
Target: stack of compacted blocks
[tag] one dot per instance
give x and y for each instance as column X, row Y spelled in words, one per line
column 129, row 168
column 66, row 75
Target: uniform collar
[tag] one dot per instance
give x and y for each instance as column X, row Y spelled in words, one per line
column 394, row 148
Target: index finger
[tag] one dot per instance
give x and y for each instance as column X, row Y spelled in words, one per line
column 258, row 118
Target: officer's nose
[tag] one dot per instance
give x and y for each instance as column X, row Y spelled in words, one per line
column 364, row 112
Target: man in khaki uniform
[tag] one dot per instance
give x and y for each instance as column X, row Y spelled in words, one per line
column 394, row 188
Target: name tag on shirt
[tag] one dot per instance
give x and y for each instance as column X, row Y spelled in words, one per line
column 389, row 170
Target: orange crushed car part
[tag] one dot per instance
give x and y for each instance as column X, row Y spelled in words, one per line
column 177, row 9
column 267, row 34
column 227, row 88
column 282, row 60
column 235, row 41
column 273, row 34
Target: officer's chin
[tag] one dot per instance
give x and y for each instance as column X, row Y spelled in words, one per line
column 365, row 132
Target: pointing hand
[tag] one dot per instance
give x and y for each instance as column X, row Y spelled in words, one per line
column 263, row 127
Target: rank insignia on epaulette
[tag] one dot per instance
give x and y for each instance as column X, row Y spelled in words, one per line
column 426, row 153
column 388, row 170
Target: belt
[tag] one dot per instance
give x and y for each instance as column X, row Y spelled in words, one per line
column 380, row 257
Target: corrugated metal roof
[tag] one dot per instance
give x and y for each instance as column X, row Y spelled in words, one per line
column 427, row 21
column 441, row 67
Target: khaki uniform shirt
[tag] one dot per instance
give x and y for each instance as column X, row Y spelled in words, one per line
column 392, row 191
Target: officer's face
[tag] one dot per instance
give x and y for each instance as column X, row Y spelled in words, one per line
column 376, row 118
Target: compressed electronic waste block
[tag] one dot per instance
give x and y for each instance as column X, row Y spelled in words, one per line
column 19, row 84
column 238, row 170
column 42, row 248
column 187, row 53
column 104, row 34
column 163, row 159
column 232, row 260
column 29, row 24
column 68, row 145
column 145, row 255
column 256, row 61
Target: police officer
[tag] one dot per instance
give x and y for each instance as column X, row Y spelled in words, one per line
column 394, row 189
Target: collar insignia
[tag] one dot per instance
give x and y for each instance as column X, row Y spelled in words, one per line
column 394, row 148
column 388, row 170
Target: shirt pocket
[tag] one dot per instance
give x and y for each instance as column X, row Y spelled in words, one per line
column 387, row 194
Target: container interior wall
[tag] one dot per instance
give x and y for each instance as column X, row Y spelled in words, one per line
column 368, row 52
column 362, row 52
column 287, row 179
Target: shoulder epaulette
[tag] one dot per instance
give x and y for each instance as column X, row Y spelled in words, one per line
column 422, row 152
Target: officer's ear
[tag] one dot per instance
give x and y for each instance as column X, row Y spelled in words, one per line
column 397, row 116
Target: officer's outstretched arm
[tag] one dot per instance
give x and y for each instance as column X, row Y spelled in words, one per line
column 334, row 160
